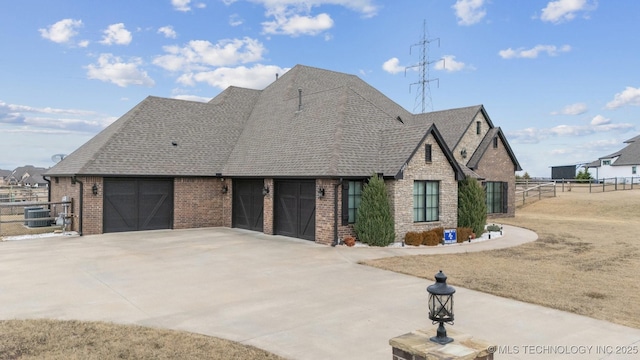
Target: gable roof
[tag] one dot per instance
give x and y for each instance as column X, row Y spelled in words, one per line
column 486, row 142
column 453, row 123
column 308, row 123
column 628, row 156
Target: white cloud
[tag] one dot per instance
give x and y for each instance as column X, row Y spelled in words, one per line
column 599, row 120
column 185, row 5
column 116, row 34
column 62, row 31
column 573, row 109
column 629, row 96
column 201, row 54
column 392, row 66
column 450, row 64
column 565, row 10
column 36, row 119
column 294, row 18
column 469, row 12
column 256, row 77
column 168, row 32
column 181, row 5
column 235, row 20
column 533, row 53
column 83, row 43
column 110, row 68
column 296, row 25
column 598, row 124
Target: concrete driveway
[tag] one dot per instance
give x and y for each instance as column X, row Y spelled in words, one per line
column 291, row 297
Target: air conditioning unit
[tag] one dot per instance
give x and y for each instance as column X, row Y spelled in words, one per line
column 38, row 214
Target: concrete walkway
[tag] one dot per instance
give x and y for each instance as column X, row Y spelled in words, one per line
column 288, row 296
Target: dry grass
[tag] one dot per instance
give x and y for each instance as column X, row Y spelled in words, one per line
column 18, row 228
column 586, row 260
column 51, row 339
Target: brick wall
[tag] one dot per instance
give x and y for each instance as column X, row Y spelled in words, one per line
column 496, row 165
column 268, row 208
column 198, row 202
column 227, row 200
column 92, row 204
column 401, row 191
column 470, row 140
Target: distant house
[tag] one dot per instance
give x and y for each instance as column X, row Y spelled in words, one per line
column 4, row 174
column 620, row 164
column 289, row 160
column 27, row 175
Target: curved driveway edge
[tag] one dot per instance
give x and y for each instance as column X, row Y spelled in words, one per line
column 288, row 296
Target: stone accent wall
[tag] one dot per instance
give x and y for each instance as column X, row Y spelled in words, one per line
column 401, row 191
column 268, row 208
column 496, row 165
column 470, row 140
column 197, row 202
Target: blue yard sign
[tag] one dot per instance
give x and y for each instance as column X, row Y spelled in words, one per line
column 450, row 236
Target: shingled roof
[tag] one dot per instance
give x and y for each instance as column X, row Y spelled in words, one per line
column 309, row 123
column 629, row 155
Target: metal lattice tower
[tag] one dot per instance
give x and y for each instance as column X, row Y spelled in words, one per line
column 424, row 89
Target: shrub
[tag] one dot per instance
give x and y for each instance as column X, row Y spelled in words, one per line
column 472, row 206
column 413, row 238
column 431, row 238
column 439, row 231
column 493, row 227
column 374, row 224
column 464, row 233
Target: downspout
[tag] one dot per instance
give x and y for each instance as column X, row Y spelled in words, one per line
column 335, row 213
column 48, row 192
column 81, row 201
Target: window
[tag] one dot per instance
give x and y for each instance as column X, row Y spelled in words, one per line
column 496, row 197
column 606, row 162
column 495, row 142
column 478, row 127
column 426, row 201
column 634, row 170
column 355, row 197
column 427, row 153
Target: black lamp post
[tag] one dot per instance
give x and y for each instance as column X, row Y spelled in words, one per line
column 441, row 307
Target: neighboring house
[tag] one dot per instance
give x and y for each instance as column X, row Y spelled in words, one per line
column 4, row 174
column 290, row 160
column 27, row 175
column 620, row 164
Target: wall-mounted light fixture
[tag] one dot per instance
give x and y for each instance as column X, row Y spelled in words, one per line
column 225, row 189
column 94, row 189
column 265, row 191
column 320, row 192
column 463, row 153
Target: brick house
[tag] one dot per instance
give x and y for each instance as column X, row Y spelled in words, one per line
column 289, row 160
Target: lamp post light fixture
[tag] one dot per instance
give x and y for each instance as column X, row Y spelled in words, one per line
column 441, row 307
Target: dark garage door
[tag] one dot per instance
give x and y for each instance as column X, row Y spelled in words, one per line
column 295, row 208
column 137, row 204
column 248, row 204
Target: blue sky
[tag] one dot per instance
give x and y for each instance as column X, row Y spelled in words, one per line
column 560, row 77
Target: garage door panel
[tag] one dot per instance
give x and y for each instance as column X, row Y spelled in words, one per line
column 137, row 204
column 248, row 204
column 295, row 204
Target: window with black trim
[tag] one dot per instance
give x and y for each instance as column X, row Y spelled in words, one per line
column 427, row 153
column 495, row 142
column 355, row 197
column 496, row 196
column 634, row 170
column 478, row 127
column 426, row 201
